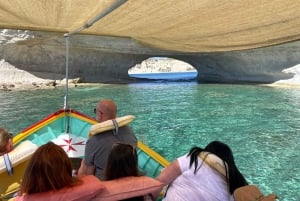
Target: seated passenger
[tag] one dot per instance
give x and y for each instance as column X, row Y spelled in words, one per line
column 191, row 178
column 99, row 146
column 6, row 141
column 123, row 162
column 49, row 174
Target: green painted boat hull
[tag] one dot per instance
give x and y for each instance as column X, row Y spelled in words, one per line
column 74, row 123
column 69, row 129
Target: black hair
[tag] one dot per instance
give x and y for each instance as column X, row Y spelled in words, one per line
column 234, row 178
column 122, row 162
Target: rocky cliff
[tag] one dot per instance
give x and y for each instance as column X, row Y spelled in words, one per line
column 99, row 59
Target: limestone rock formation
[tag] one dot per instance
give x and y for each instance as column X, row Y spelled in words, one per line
column 158, row 65
column 99, row 59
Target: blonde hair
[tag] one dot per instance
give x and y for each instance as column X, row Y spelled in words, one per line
column 4, row 138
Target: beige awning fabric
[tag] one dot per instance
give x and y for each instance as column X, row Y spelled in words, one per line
column 178, row 25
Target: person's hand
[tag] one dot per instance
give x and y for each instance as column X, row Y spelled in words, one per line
column 272, row 197
column 82, row 169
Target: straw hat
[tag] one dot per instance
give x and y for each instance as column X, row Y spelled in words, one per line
column 252, row 193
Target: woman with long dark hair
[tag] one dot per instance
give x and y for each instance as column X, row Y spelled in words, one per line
column 194, row 177
column 123, row 162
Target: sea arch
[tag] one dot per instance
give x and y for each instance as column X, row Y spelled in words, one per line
column 163, row 68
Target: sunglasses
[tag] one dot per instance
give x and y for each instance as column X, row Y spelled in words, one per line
column 95, row 111
column 10, row 135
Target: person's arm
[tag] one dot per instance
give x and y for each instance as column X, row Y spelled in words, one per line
column 87, row 165
column 168, row 175
column 85, row 170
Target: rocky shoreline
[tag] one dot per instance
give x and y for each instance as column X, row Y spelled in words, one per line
column 12, row 78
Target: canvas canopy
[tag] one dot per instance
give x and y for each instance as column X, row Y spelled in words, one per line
column 185, row 26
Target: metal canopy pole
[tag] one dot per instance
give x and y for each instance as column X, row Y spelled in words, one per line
column 90, row 23
column 66, row 104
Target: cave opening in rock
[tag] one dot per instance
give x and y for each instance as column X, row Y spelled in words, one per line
column 163, row 68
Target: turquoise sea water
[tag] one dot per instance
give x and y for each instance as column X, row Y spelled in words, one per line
column 261, row 124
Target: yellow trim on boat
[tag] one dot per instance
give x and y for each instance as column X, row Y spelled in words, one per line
column 19, row 137
column 83, row 118
column 153, row 154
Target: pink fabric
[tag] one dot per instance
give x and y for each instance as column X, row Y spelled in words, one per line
column 128, row 187
column 90, row 188
column 19, row 198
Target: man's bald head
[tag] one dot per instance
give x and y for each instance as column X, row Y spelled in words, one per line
column 106, row 110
